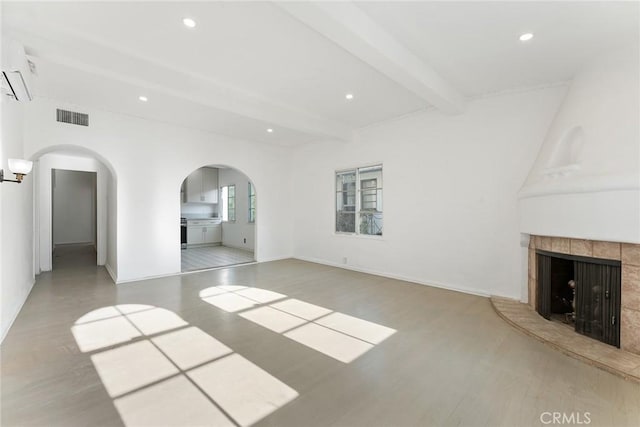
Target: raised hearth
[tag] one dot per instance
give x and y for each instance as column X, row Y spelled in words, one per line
column 523, row 317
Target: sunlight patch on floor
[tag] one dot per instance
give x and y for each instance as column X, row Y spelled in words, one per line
column 174, row 402
column 99, row 314
column 173, row 374
column 131, row 366
column 301, row 309
column 103, row 333
column 190, row 347
column 356, row 327
column 157, row 320
column 245, row 391
column 230, row 302
column 337, row 335
column 332, row 343
column 262, row 296
column 272, row 319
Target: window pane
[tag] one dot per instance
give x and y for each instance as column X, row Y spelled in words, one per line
column 373, row 172
column 252, row 203
column 371, row 223
column 345, row 203
column 346, row 181
column 345, row 222
column 368, row 196
column 232, row 191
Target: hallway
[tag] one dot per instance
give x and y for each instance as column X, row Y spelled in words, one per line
column 66, row 257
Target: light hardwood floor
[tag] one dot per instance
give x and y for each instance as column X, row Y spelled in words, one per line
column 451, row 361
column 213, row 256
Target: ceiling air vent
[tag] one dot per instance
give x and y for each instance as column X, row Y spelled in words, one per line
column 72, row 117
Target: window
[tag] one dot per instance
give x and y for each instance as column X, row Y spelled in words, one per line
column 359, row 201
column 228, row 197
column 252, row 203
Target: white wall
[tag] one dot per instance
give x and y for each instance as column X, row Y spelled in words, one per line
column 235, row 233
column 450, row 193
column 111, row 262
column 199, row 210
column 69, row 160
column 74, row 207
column 597, row 196
column 16, row 220
column 150, row 160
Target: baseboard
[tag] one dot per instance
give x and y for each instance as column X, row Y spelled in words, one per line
column 140, row 279
column 278, row 258
column 431, row 283
column 202, row 245
column 17, row 312
column 237, row 247
column 180, row 273
column 111, row 273
column 74, row 244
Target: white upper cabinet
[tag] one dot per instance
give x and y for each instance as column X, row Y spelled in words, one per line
column 209, row 185
column 202, row 186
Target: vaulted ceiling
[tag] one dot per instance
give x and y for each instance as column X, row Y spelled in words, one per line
column 251, row 66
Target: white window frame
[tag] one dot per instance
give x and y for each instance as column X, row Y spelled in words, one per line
column 224, row 197
column 358, row 197
column 252, row 195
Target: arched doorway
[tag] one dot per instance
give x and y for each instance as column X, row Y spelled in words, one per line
column 218, row 213
column 76, row 167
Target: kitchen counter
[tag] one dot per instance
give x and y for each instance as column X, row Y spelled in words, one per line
column 200, row 221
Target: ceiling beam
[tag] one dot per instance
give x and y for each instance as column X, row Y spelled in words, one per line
column 351, row 28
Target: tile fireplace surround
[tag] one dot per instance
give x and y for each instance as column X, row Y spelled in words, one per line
column 629, row 256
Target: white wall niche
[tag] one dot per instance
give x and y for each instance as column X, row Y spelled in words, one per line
column 565, row 157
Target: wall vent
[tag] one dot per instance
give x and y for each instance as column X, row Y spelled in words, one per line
column 72, row 117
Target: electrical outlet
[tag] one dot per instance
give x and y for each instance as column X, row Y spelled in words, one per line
column 245, row 240
column 344, row 260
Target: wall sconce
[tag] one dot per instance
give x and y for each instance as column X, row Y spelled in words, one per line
column 19, row 167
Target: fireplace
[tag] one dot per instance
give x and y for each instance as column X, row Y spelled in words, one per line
column 607, row 303
column 583, row 292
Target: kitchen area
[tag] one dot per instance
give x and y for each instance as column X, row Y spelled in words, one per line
column 210, row 198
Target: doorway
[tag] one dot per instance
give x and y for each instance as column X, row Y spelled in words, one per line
column 218, row 213
column 74, row 218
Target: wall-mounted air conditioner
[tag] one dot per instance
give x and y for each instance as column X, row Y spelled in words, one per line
column 16, row 73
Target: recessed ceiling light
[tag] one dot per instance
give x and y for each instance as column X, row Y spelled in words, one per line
column 526, row 37
column 188, row 22
column 143, row 98
column 349, row 96
column 270, row 130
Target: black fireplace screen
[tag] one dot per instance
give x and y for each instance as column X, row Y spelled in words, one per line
column 597, row 294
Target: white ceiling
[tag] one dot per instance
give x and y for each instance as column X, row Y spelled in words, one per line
column 475, row 44
column 248, row 66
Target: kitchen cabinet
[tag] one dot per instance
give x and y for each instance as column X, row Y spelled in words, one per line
column 202, row 186
column 195, row 236
column 204, row 231
column 213, row 234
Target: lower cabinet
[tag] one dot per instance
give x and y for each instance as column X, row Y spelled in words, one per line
column 213, row 234
column 195, row 236
column 204, row 233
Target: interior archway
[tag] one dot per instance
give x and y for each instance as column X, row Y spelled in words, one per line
column 218, row 218
column 72, row 162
